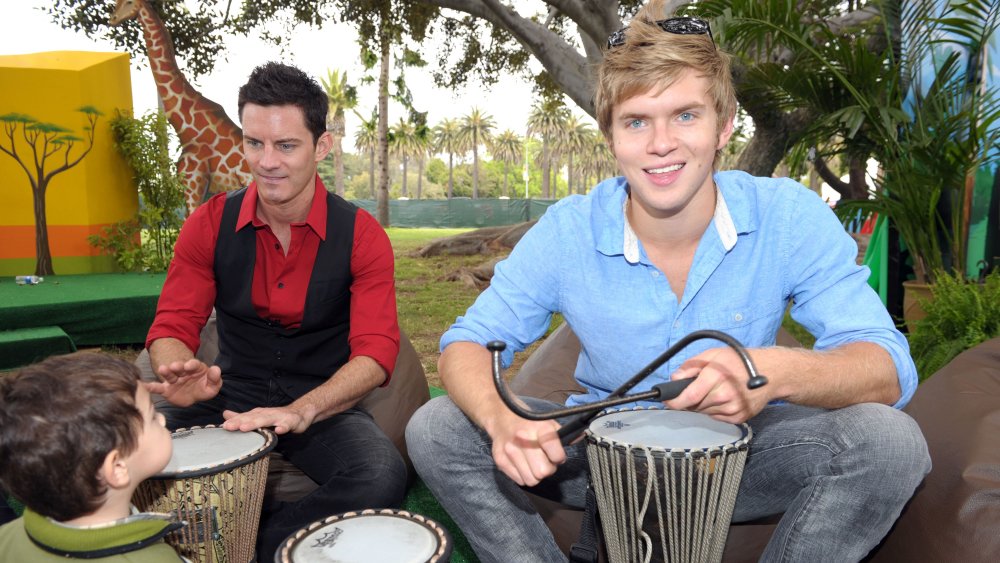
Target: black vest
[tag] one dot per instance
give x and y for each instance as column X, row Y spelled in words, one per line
column 299, row 360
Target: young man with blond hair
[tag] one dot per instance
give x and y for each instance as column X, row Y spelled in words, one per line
column 668, row 248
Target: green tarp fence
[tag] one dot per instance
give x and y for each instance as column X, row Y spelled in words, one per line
column 459, row 212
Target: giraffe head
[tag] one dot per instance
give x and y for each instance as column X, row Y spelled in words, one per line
column 124, row 10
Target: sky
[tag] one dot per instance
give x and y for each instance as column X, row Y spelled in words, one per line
column 315, row 51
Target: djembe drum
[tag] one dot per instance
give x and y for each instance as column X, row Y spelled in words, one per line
column 368, row 536
column 215, row 482
column 665, row 482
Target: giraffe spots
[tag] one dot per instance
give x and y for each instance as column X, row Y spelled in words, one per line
column 224, row 146
column 200, row 121
column 235, row 161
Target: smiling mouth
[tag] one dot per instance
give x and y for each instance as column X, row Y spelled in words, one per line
column 665, row 169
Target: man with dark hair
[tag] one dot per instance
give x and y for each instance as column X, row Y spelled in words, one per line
column 78, row 434
column 302, row 283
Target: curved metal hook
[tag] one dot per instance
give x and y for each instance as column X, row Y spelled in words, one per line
column 660, row 392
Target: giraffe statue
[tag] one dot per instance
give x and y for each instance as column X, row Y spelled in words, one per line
column 211, row 144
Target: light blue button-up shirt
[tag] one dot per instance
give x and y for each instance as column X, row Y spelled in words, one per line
column 771, row 241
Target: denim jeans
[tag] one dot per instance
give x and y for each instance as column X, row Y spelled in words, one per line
column 840, row 478
column 354, row 463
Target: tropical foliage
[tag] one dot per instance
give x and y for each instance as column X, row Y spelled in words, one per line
column 960, row 315
column 146, row 243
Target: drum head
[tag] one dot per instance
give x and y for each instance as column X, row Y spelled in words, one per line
column 368, row 538
column 201, row 448
column 665, row 429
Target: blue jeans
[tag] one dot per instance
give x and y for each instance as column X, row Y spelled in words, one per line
column 354, row 463
column 840, row 478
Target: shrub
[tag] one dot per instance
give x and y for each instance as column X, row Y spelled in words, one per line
column 146, row 243
column 960, row 315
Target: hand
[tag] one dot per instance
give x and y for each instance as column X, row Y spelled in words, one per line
column 282, row 419
column 720, row 389
column 186, row 383
column 526, row 451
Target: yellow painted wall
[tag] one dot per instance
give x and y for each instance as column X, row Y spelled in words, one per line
column 98, row 191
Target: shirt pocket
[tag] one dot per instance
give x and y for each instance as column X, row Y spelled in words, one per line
column 752, row 323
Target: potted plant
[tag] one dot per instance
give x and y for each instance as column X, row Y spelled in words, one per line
column 939, row 127
column 936, row 127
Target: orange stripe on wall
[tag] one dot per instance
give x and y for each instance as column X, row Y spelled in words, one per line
column 18, row 241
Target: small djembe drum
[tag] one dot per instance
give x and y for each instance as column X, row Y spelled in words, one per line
column 215, row 482
column 368, row 536
column 665, row 482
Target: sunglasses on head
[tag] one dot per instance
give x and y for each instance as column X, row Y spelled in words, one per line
column 680, row 26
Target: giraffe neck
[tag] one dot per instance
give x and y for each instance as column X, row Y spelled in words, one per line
column 171, row 84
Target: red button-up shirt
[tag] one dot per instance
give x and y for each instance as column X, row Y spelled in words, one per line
column 280, row 280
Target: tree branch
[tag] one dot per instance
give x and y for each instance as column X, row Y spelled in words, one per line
column 568, row 68
column 828, row 176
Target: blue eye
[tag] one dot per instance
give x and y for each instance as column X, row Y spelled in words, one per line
column 686, row 116
column 635, row 123
column 286, row 146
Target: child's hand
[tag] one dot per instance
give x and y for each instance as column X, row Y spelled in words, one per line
column 186, row 383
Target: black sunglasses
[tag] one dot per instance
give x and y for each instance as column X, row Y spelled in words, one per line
column 681, row 26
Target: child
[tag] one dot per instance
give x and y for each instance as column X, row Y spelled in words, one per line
column 78, row 433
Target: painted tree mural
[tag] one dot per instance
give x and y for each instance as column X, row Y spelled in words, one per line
column 44, row 150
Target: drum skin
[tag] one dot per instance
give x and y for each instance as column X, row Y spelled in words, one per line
column 215, row 483
column 368, row 536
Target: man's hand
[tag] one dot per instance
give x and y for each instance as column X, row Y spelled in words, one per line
column 720, row 388
column 282, row 419
column 186, row 383
column 526, row 451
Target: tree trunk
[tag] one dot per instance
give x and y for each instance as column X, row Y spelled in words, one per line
column 403, row 192
column 371, row 173
column 451, row 175
column 338, row 152
column 382, row 207
column 764, row 151
column 506, row 168
column 475, row 167
column 545, row 168
column 420, row 176
column 43, row 256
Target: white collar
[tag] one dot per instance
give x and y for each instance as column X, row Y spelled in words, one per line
column 723, row 225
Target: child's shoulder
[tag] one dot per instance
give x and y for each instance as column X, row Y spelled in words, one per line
column 15, row 545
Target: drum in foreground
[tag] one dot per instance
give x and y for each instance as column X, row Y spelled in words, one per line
column 215, row 482
column 665, row 482
column 368, row 536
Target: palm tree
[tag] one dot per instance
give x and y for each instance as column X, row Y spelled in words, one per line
column 340, row 97
column 422, row 142
column 596, row 161
column 402, row 145
column 477, row 128
column 546, row 121
column 507, row 148
column 575, row 139
column 366, row 141
column 448, row 138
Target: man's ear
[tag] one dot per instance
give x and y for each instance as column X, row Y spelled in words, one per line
column 114, row 471
column 324, row 144
column 726, row 133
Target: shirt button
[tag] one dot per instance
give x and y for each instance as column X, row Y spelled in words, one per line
column 281, row 285
column 738, row 317
column 656, row 274
column 277, row 246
